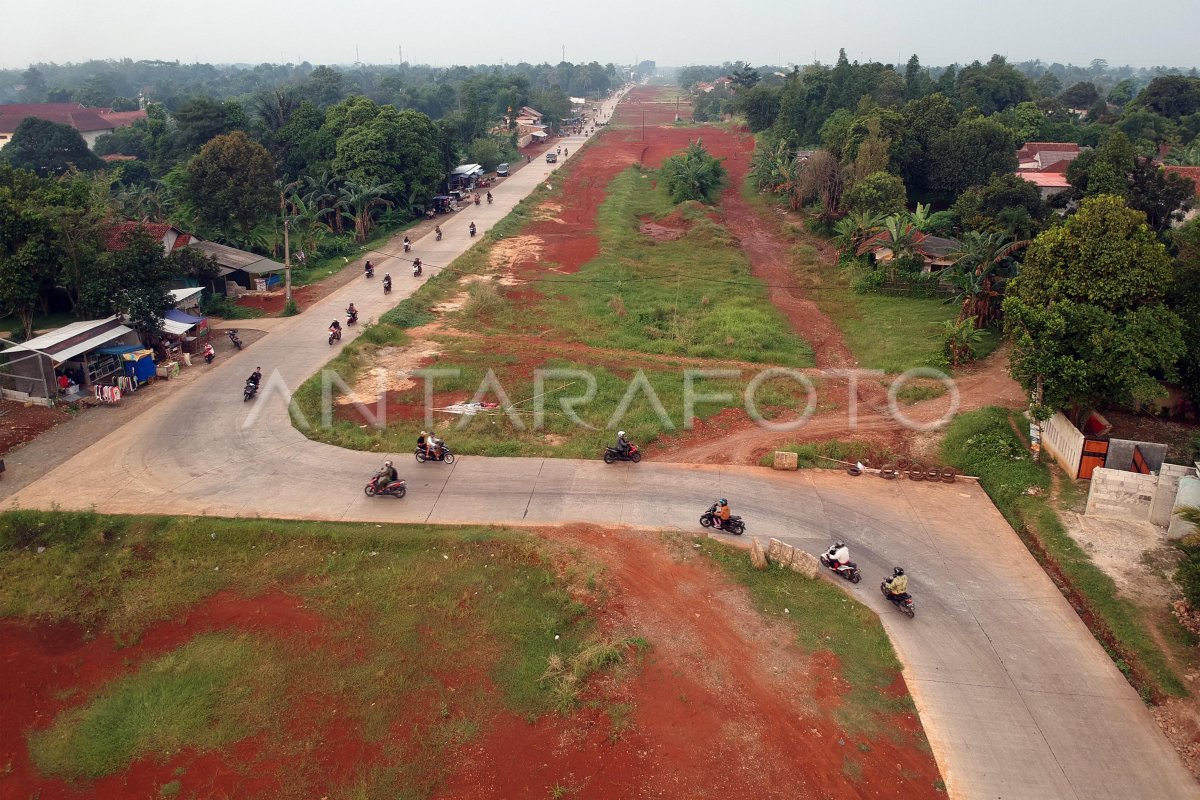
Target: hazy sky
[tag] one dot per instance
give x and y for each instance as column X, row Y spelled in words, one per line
column 671, row 33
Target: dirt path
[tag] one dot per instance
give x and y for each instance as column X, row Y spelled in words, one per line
column 733, row 438
column 770, row 261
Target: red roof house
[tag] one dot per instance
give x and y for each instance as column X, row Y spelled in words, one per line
column 90, row 122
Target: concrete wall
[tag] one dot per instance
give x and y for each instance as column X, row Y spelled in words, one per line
column 1120, row 454
column 1064, row 442
column 1120, row 494
column 1153, row 498
column 1188, row 495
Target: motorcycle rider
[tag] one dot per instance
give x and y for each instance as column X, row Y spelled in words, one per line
column 255, row 377
column 437, row 229
column 209, row 352
column 436, row 448
column 489, row 196
column 622, row 444
column 722, row 512
column 368, row 269
column 386, row 476
column 387, row 281
column 416, row 267
column 352, row 312
column 472, row 228
column 407, row 244
column 897, row 585
column 425, row 441
column 335, row 327
column 838, row 554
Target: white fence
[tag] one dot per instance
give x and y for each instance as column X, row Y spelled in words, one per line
column 1064, row 441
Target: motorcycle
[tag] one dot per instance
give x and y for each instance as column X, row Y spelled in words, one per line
column 387, row 285
column 395, row 489
column 209, row 355
column 849, row 570
column 335, row 335
column 476, row 199
column 437, row 234
column 369, row 272
column 249, row 391
column 904, row 602
column 710, row 520
column 612, row 454
column 233, row 337
column 351, row 317
column 422, row 456
column 417, row 268
column 407, row 245
column 472, row 229
column 489, row 196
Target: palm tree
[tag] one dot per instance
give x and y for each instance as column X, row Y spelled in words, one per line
column 897, row 234
column 360, row 202
column 1184, row 156
column 853, row 231
column 321, row 192
column 982, row 266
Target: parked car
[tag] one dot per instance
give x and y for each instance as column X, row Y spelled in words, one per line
column 502, row 170
column 551, row 157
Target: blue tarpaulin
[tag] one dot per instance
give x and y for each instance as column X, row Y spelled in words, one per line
column 179, row 316
column 118, row 349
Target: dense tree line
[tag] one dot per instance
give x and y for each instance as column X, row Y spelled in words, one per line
column 1099, row 291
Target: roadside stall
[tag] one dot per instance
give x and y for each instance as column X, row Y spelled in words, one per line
column 136, row 364
column 74, row 351
column 183, row 334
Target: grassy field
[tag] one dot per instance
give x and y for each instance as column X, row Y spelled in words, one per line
column 433, row 630
column 888, row 332
column 985, row 443
column 410, row 604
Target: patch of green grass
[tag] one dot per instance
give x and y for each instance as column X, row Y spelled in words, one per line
column 822, row 455
column 210, row 692
column 821, row 614
column 221, row 306
column 171, row 789
column 405, row 606
column 984, row 443
column 693, row 296
column 888, row 332
column 915, row 391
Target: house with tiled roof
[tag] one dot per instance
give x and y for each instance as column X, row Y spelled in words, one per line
column 937, row 252
column 1040, row 156
column 235, row 266
column 92, row 123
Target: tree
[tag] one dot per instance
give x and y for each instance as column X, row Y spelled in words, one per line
column 694, row 174
column 971, row 153
column 1105, row 169
column 821, row 178
column 1080, row 95
column 360, row 202
column 325, row 86
column 913, row 155
column 852, row 232
column 485, row 152
column 1172, row 96
column 48, row 148
column 28, row 246
column 760, row 106
column 1086, row 314
column 231, row 182
column 1164, row 197
column 1123, row 92
column 743, row 75
column 1007, row 203
column 879, row 193
column 982, row 265
column 1048, row 85
column 203, row 118
column 130, row 281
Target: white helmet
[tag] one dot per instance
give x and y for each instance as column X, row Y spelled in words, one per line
column 620, row 433
column 387, row 463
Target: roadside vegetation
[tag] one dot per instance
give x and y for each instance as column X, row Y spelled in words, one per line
column 820, row 614
column 990, row 444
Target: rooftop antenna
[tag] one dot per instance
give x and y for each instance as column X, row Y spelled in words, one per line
column 357, row 60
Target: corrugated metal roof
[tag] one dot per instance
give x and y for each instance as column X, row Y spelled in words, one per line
column 52, row 343
column 232, row 258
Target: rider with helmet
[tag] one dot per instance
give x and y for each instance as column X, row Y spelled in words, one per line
column 722, row 512
column 838, row 554
column 622, row 444
column 386, row 476
column 897, row 585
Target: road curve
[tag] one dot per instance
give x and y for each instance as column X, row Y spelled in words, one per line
column 1017, row 698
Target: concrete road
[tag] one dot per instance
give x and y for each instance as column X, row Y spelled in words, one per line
column 1018, row 699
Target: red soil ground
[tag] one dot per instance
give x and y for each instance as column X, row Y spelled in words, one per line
column 722, row 705
column 19, row 424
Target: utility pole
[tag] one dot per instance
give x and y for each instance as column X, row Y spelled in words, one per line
column 287, row 265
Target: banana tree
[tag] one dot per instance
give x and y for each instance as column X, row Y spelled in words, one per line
column 853, row 231
column 982, row 267
column 360, row 202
